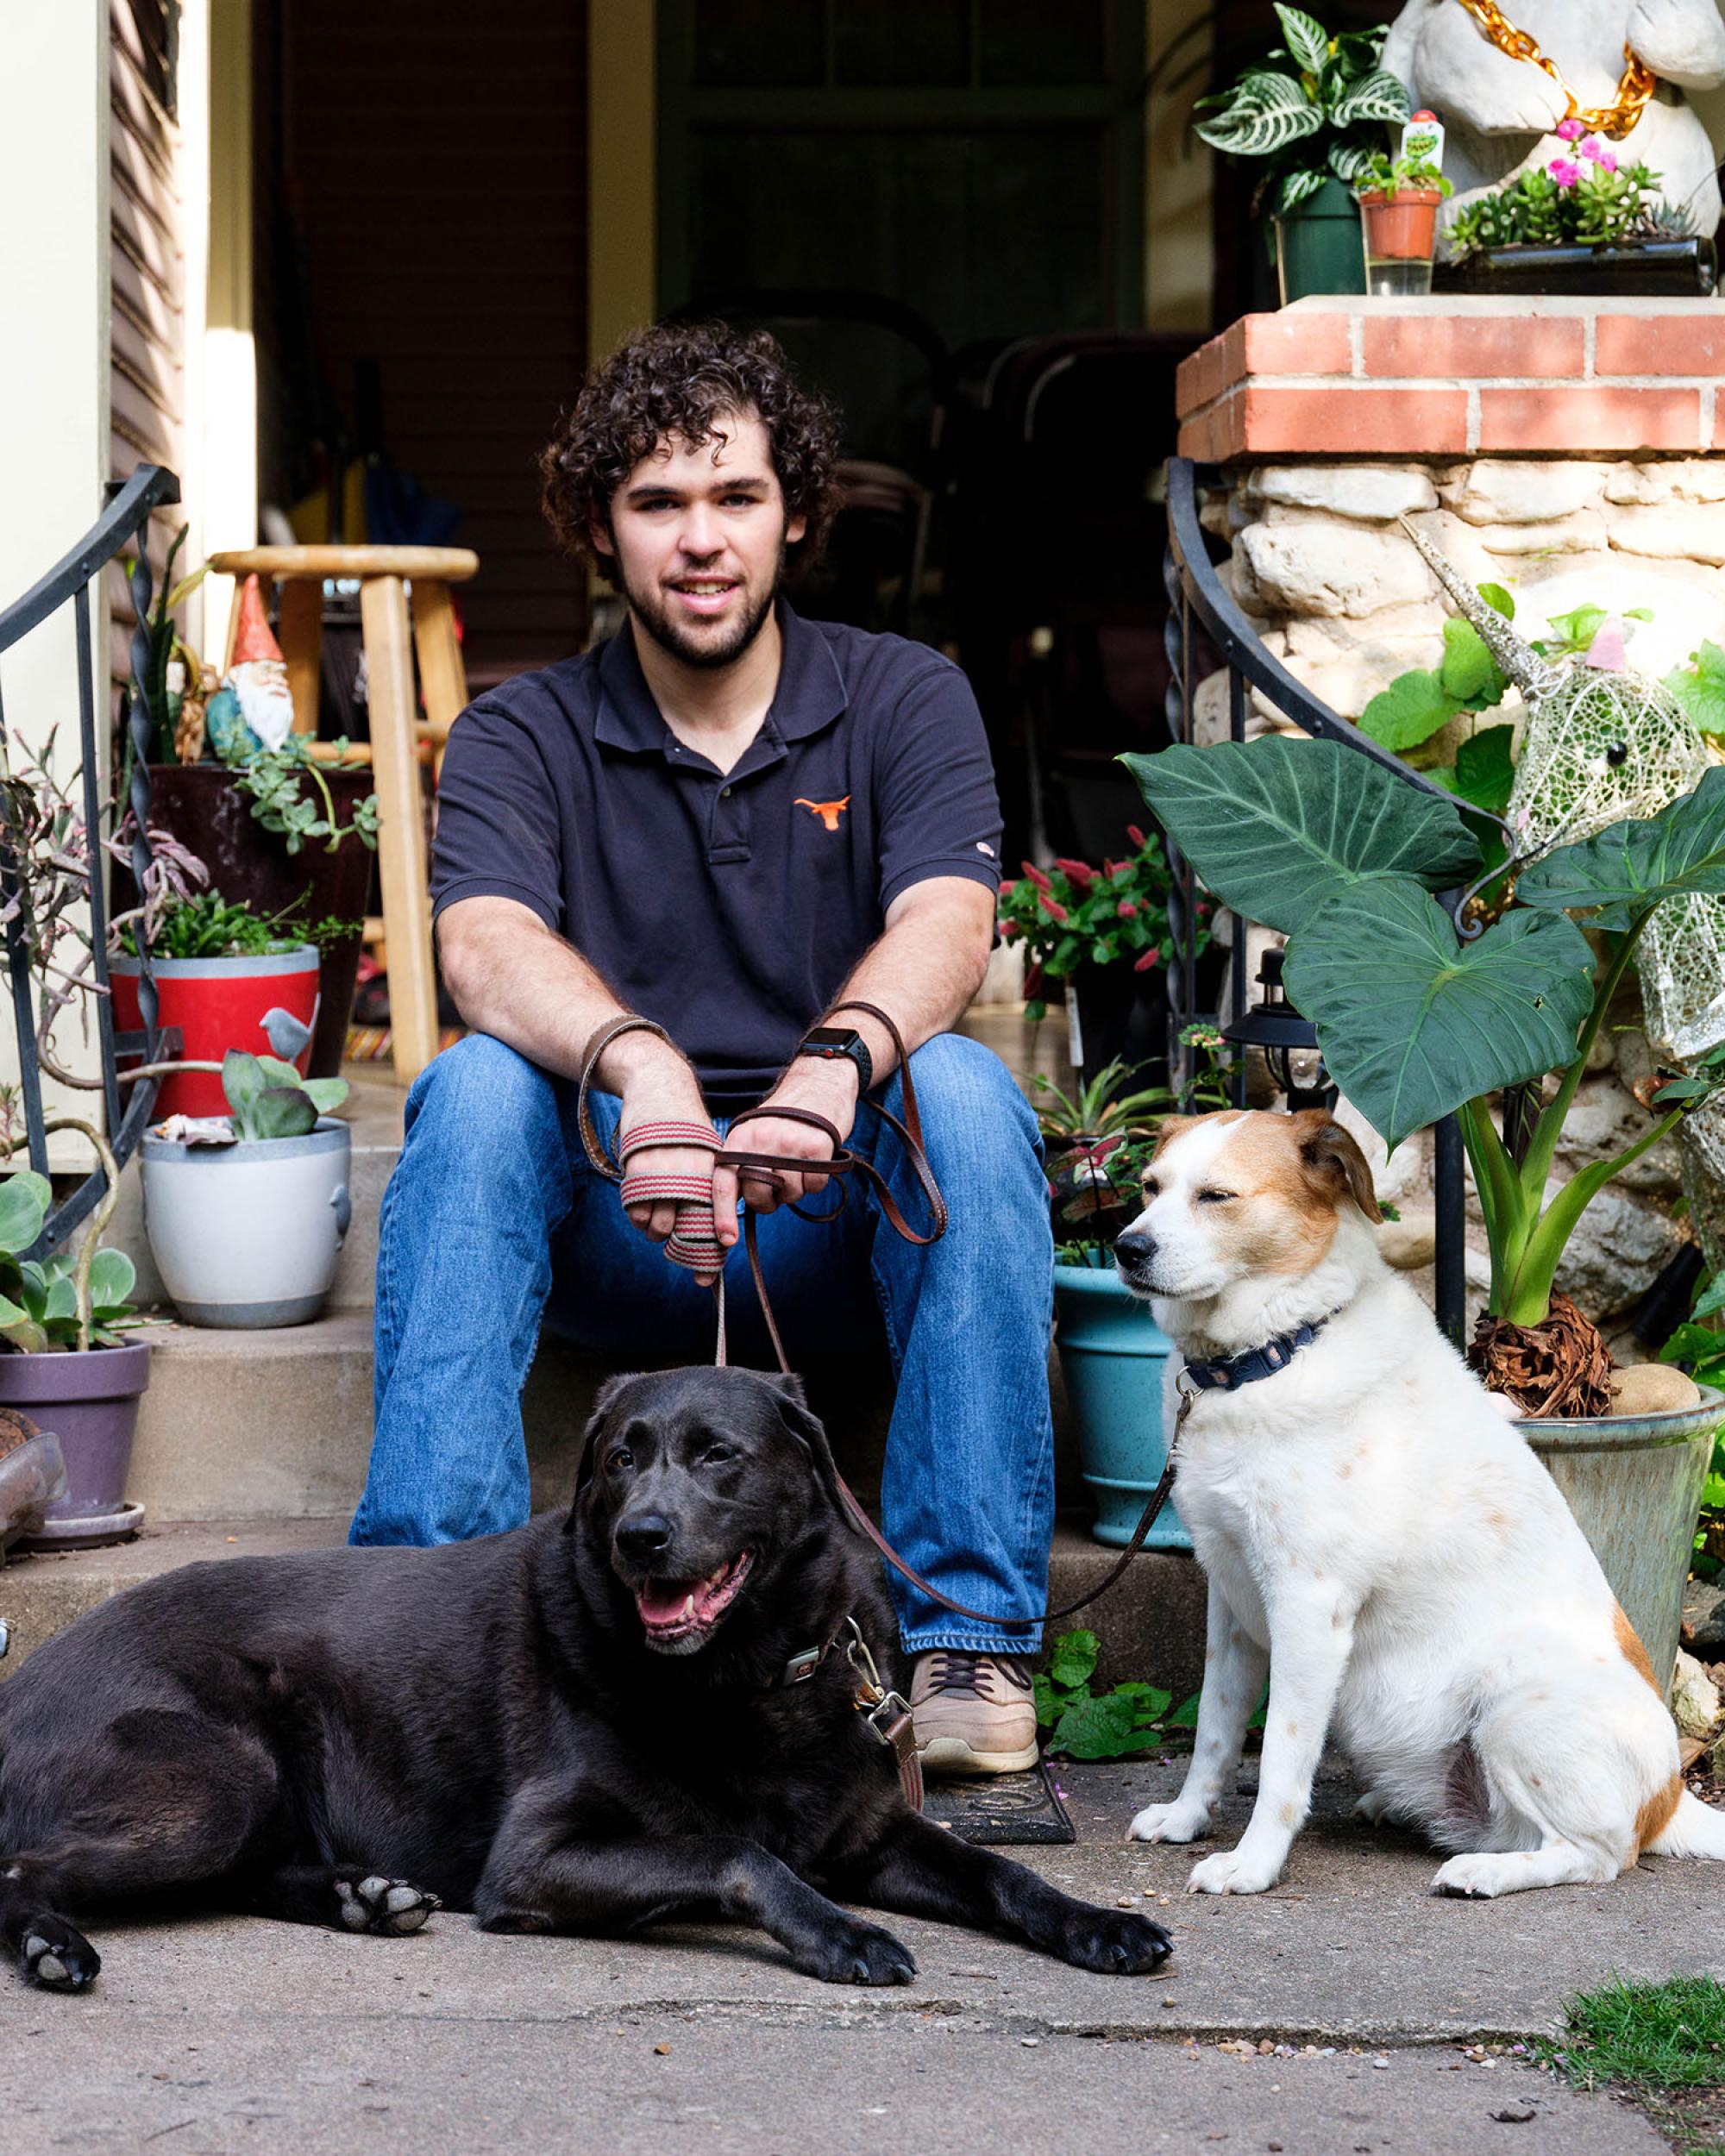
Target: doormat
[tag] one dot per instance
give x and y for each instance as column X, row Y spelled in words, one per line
column 1000, row 1808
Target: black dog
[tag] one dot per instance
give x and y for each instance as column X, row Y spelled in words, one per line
column 588, row 1725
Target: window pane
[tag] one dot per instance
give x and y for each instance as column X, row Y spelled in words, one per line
column 762, row 44
column 1032, row 43
column 902, row 42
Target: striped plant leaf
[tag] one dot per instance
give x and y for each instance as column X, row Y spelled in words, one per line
column 1347, row 161
column 1378, row 96
column 1265, row 113
column 1308, row 41
column 1298, row 187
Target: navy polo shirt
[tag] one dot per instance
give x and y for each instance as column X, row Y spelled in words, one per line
column 729, row 907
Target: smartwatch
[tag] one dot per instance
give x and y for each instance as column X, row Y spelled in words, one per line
column 830, row 1042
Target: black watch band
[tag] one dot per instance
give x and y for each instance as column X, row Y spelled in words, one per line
column 831, row 1041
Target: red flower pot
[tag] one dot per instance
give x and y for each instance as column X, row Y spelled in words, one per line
column 218, row 1004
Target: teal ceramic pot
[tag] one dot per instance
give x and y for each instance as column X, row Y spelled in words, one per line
column 1112, row 1354
column 1634, row 1484
column 1317, row 244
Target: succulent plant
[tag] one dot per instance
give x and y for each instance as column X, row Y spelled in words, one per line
column 268, row 1098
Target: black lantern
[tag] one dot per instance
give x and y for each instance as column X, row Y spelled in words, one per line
column 1289, row 1042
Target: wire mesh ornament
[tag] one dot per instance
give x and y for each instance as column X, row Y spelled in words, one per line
column 1598, row 748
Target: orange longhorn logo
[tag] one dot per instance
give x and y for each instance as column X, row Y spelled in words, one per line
column 828, row 811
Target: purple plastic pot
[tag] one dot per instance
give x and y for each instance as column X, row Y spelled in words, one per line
column 90, row 1401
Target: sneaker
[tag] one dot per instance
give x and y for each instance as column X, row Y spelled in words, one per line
column 973, row 1713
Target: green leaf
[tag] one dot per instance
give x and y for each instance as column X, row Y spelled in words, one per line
column 1149, row 1702
column 1412, row 1022
column 282, row 1111
column 1274, row 827
column 1074, row 1659
column 1378, row 96
column 1483, row 772
column 1469, row 671
column 1095, row 1729
column 1575, row 631
column 243, row 1078
column 1629, row 869
column 24, row 1200
column 1299, row 186
column 112, row 1278
column 1348, row 160
column 1265, row 113
column 277, row 1073
column 18, row 1326
column 62, row 1299
column 1699, row 687
column 325, row 1094
column 1711, row 1302
column 1308, row 41
column 1049, row 1705
column 1411, row 710
column 1498, row 600
column 1185, row 1716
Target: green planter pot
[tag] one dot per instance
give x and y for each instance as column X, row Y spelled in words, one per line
column 1112, row 1353
column 1318, row 247
column 1634, row 1484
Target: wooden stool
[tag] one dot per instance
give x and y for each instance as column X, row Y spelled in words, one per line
column 390, row 580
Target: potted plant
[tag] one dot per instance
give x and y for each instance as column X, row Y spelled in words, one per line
column 1414, row 1023
column 65, row 1360
column 1580, row 223
column 1098, row 1139
column 1102, row 934
column 1317, row 121
column 246, row 1213
column 1398, row 218
column 222, row 973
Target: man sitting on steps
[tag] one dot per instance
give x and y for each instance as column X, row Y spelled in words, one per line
column 726, row 820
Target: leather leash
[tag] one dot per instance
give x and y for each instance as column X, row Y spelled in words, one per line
column 758, row 1166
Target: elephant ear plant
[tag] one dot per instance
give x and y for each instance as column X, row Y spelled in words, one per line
column 1415, row 1022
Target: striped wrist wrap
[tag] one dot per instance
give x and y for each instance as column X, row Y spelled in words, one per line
column 694, row 1240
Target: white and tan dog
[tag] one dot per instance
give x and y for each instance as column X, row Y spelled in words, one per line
column 1380, row 1540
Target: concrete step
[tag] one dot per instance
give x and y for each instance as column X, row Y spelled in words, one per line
column 1152, row 1625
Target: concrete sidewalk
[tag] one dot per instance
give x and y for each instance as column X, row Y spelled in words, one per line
column 218, row 2034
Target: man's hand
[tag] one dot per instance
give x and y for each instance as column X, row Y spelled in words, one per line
column 658, row 1086
column 826, row 1089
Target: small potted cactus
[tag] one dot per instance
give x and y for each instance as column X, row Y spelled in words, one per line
column 246, row 1212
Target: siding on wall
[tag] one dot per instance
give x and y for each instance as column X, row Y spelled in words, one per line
column 434, row 166
column 146, row 273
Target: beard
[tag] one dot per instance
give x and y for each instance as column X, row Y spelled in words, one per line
column 684, row 642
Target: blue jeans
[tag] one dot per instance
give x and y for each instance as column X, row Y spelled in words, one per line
column 493, row 1218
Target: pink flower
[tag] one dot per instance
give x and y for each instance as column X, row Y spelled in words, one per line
column 1601, row 156
column 1080, row 871
column 1036, row 875
column 1052, row 907
column 1570, row 130
column 1136, row 835
column 1008, row 930
column 1563, row 171
column 1152, row 957
column 1126, row 909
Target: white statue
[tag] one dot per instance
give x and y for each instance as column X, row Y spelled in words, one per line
column 1501, row 112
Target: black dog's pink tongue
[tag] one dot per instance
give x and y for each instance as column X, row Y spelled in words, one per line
column 662, row 1602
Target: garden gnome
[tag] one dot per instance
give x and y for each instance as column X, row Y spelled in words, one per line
column 254, row 707
column 1503, row 112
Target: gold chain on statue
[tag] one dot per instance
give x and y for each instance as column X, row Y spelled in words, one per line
column 1634, row 90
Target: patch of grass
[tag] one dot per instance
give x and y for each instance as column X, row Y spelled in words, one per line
column 1661, row 2044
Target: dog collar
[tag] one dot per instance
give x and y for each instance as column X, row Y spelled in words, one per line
column 1227, row 1373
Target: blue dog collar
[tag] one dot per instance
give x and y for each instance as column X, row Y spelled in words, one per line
column 1227, row 1373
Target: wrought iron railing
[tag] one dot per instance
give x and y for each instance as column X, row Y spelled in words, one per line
column 1198, row 602
column 124, row 522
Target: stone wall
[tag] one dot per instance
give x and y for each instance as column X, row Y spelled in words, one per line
column 1333, row 418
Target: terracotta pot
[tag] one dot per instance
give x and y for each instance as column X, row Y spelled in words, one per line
column 200, row 806
column 1404, row 229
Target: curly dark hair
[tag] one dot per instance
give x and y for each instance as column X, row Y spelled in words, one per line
column 685, row 379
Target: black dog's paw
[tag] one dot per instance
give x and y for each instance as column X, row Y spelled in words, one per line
column 58, row 1957
column 389, row 1906
column 854, row 1953
column 1113, row 1942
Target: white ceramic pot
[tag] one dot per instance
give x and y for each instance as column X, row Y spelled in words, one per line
column 247, row 1235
